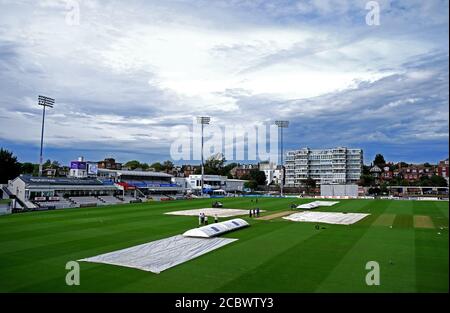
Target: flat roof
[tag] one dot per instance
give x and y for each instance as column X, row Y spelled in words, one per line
column 67, row 181
column 208, row 177
column 136, row 173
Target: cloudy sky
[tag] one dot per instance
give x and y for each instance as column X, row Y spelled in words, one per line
column 131, row 71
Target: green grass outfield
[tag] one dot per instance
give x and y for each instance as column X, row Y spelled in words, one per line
column 270, row 256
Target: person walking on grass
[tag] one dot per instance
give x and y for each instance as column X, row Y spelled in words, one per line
column 200, row 219
column 257, row 212
column 216, row 218
column 250, row 213
column 206, row 220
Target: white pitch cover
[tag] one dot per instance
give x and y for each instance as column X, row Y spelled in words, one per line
column 308, row 206
column 316, row 204
column 326, row 203
column 327, row 217
column 216, row 229
column 157, row 256
column 220, row 212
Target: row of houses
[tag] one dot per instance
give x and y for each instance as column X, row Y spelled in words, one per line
column 411, row 172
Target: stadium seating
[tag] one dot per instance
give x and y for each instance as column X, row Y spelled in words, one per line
column 107, row 200
column 61, row 204
column 85, row 201
column 129, row 199
column 146, row 183
column 107, row 182
column 161, row 197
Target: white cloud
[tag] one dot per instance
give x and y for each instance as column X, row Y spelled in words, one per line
column 128, row 67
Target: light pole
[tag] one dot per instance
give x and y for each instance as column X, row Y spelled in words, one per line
column 281, row 125
column 203, row 120
column 44, row 102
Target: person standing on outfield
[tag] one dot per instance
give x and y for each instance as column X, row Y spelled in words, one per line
column 216, row 219
column 206, row 220
column 250, row 213
column 203, row 218
column 200, row 219
column 257, row 212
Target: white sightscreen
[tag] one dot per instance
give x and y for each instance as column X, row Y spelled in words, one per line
column 339, row 190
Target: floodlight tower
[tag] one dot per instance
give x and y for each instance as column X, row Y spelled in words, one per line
column 44, row 102
column 281, row 125
column 203, row 120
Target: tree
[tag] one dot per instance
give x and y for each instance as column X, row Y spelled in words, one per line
column 425, row 181
column 367, row 180
column 251, row 184
column 210, row 171
column 214, row 164
column 438, row 181
column 157, row 166
column 384, row 188
column 47, row 164
column 9, row 166
column 374, row 191
column 366, row 169
column 403, row 164
column 134, row 164
column 27, row 168
column 36, row 170
column 225, row 171
column 379, row 160
column 397, row 181
column 310, row 183
column 168, row 165
column 258, row 176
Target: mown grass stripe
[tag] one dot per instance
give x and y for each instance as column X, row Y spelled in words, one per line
column 35, row 247
column 432, row 252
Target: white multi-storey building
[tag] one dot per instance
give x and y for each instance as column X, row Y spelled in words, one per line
column 326, row 166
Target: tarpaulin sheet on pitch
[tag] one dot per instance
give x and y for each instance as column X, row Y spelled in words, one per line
column 326, row 217
column 316, row 204
column 212, row 212
column 157, row 256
